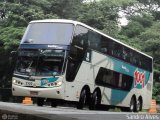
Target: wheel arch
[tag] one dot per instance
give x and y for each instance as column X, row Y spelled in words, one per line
column 134, row 96
column 86, row 87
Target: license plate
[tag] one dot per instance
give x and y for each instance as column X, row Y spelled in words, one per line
column 34, row 92
column 29, row 84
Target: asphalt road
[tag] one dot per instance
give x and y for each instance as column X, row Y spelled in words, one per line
column 70, row 113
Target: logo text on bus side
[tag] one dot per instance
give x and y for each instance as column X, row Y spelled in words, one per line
column 139, row 78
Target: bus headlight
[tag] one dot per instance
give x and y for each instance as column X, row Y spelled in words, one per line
column 17, row 82
column 59, row 83
column 14, row 81
column 56, row 84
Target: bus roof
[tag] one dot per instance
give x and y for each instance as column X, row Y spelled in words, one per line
column 55, row 20
column 76, row 22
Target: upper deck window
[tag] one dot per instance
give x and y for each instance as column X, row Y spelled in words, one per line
column 48, row 33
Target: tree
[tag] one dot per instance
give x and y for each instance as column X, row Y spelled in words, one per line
column 102, row 15
column 132, row 29
column 141, row 6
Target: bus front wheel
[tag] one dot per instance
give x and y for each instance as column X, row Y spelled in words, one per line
column 82, row 100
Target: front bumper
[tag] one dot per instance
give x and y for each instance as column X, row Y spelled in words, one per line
column 56, row 92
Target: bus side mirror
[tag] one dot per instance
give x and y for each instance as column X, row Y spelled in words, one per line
column 70, row 74
column 13, row 53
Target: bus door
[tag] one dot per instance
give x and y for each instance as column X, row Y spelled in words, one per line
column 75, row 59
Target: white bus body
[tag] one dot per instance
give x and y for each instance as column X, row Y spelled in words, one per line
column 81, row 64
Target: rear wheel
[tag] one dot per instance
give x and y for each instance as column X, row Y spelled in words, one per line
column 40, row 101
column 82, row 100
column 95, row 101
column 132, row 107
column 139, row 105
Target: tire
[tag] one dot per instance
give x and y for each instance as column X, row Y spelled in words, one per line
column 40, row 101
column 54, row 103
column 82, row 100
column 139, row 105
column 95, row 101
column 132, row 107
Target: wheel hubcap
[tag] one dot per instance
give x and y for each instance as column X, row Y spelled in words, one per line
column 132, row 105
column 96, row 100
column 84, row 101
column 138, row 105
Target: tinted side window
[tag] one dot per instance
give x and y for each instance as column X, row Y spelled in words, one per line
column 94, row 40
column 77, row 52
column 80, row 37
column 85, row 37
column 106, row 77
column 79, row 43
column 104, row 46
column 117, row 50
column 126, row 82
column 112, row 79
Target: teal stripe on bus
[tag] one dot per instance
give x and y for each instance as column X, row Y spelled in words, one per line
column 45, row 81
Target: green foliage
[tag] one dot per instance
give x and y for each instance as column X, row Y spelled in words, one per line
column 68, row 9
column 145, row 20
column 156, row 90
column 151, row 37
column 11, row 36
column 101, row 15
column 132, row 29
column 141, row 6
column 18, row 13
column 137, row 24
column 115, row 110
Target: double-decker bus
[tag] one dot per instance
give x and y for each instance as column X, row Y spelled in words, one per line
column 64, row 60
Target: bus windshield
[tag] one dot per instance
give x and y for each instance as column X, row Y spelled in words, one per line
column 48, row 33
column 40, row 62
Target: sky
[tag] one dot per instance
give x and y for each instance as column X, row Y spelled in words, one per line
column 123, row 20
